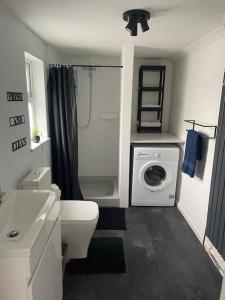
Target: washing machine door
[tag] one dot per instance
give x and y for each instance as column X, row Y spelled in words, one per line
column 155, row 176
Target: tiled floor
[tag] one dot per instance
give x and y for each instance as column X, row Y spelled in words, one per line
column 164, row 259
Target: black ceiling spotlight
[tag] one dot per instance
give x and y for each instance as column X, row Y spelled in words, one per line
column 135, row 16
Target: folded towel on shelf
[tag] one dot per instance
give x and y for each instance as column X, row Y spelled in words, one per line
column 193, row 152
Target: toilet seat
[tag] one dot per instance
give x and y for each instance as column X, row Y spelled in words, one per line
column 78, row 212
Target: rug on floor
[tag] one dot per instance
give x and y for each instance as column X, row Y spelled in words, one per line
column 112, row 218
column 105, row 255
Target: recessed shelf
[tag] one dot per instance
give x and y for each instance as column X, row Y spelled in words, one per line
column 158, row 138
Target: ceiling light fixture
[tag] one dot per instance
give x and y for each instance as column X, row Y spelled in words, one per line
column 135, row 16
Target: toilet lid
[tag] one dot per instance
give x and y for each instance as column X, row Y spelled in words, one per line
column 74, row 211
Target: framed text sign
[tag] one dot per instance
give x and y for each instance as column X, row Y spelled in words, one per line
column 14, row 96
column 19, row 144
column 16, row 120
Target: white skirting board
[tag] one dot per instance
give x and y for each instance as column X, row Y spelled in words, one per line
column 215, row 256
column 199, row 234
column 210, row 249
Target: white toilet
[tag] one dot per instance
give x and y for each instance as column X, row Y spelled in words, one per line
column 78, row 218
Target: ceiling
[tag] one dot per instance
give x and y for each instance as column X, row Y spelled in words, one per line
column 96, row 27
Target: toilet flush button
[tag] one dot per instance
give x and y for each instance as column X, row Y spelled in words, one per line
column 157, row 155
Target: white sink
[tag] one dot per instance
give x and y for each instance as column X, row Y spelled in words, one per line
column 30, row 262
column 25, row 214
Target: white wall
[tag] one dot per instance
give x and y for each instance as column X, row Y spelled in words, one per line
column 15, row 38
column 99, row 142
column 125, row 123
column 52, row 55
column 167, row 91
column 196, row 95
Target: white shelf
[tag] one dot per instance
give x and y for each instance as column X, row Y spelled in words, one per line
column 34, row 146
column 155, row 138
column 151, row 106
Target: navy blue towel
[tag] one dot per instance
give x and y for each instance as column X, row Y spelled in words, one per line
column 193, row 152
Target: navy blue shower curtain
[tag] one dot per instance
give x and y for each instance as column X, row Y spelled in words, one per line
column 63, row 131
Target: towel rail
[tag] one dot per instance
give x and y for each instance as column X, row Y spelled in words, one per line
column 194, row 123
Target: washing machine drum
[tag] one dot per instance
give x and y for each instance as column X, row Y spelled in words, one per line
column 155, row 176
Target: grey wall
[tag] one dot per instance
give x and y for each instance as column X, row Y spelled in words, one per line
column 15, row 38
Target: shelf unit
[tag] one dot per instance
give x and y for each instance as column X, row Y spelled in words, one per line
column 156, row 125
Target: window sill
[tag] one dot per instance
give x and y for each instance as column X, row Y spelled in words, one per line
column 34, row 146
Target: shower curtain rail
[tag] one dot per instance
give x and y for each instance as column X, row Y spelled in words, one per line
column 87, row 66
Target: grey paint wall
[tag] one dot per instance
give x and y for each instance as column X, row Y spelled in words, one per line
column 15, row 38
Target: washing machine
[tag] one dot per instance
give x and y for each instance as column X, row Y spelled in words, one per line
column 154, row 175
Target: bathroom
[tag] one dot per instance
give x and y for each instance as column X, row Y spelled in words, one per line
column 136, row 251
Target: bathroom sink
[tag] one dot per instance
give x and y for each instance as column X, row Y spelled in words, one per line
column 30, row 245
column 25, row 221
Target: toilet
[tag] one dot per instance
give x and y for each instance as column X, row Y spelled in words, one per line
column 78, row 218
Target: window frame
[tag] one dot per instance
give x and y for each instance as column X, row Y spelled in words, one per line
column 30, row 95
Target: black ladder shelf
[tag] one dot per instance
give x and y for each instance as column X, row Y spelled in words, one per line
column 143, row 126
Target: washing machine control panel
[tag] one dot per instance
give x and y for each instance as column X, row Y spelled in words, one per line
column 145, row 155
column 165, row 154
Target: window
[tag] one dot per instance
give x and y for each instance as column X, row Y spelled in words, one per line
column 36, row 95
column 31, row 108
column 28, row 78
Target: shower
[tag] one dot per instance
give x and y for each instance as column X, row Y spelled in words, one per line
column 95, row 145
column 98, row 103
column 78, row 84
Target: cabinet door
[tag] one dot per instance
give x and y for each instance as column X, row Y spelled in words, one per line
column 46, row 283
column 40, row 287
column 56, row 262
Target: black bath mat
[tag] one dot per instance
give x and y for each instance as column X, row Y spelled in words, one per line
column 112, row 218
column 105, row 255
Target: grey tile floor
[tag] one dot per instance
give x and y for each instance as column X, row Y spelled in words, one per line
column 164, row 260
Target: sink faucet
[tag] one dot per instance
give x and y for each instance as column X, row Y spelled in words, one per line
column 2, row 194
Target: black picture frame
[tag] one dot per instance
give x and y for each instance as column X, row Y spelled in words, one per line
column 19, row 144
column 16, row 120
column 14, row 96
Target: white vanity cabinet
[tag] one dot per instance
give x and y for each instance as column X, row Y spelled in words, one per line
column 46, row 282
column 31, row 266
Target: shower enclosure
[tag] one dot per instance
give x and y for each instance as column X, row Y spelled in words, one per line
column 100, row 189
column 98, row 105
